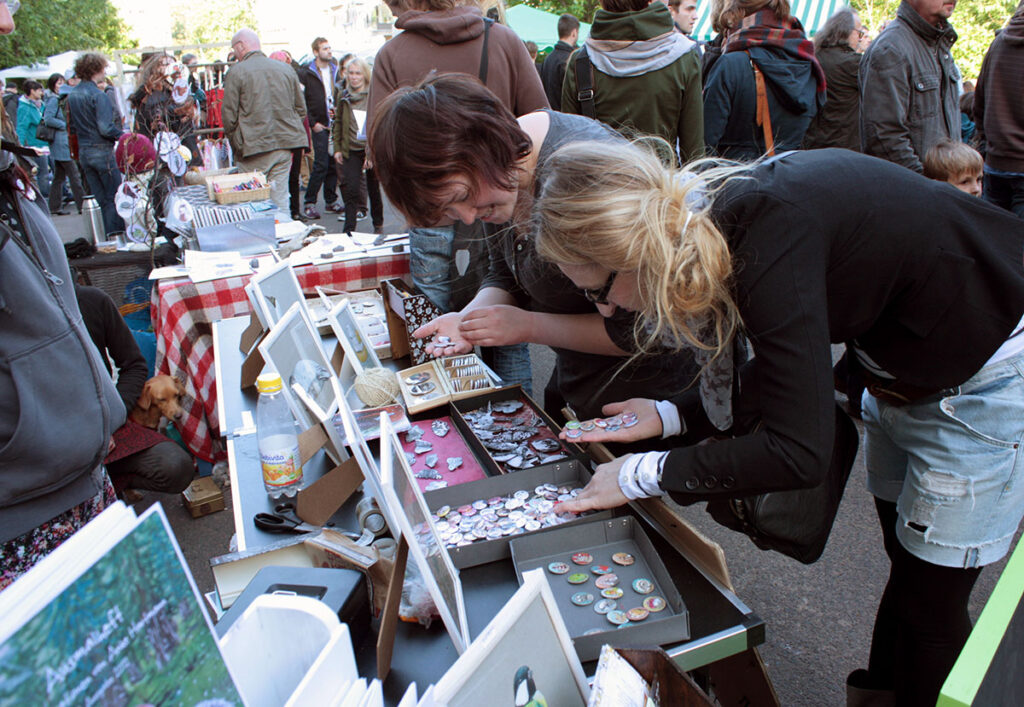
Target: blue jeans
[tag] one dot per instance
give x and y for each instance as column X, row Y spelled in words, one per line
column 953, row 464
column 43, row 174
column 103, row 179
column 1005, row 190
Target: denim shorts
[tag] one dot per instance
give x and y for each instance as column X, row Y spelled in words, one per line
column 952, row 463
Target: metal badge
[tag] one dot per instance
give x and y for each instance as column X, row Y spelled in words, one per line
column 582, row 598
column 422, row 446
column 623, row 558
column 637, row 614
column 431, row 460
column 606, row 580
column 582, row 558
column 605, row 605
column 642, row 585
column 454, row 463
column 440, row 427
column 422, row 388
column 653, row 604
column 601, row 569
column 558, row 568
column 617, row 617
column 417, row 378
column 612, row 593
column 578, row 578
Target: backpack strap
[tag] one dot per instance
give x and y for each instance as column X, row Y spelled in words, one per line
column 764, row 116
column 585, row 83
column 482, row 74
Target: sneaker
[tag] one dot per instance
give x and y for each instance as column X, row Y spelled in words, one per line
column 360, row 215
column 335, row 208
column 309, row 211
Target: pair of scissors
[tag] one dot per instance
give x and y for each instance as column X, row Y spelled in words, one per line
column 283, row 520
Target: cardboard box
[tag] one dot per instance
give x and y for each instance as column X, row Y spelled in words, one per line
column 453, row 378
column 603, row 539
column 407, row 310
column 203, row 497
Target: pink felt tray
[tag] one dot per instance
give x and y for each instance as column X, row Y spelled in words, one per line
column 451, row 445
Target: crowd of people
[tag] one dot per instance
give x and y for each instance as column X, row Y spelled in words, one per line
column 690, row 226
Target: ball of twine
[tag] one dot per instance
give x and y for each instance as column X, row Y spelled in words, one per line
column 377, row 386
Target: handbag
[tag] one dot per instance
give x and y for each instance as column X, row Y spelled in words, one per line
column 45, row 133
column 796, row 523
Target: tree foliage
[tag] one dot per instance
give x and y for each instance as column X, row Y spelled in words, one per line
column 202, row 21
column 48, row 27
column 975, row 22
column 582, row 9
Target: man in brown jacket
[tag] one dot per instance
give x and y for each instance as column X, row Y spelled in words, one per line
column 262, row 112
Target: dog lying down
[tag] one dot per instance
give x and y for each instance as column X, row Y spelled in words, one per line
column 161, row 398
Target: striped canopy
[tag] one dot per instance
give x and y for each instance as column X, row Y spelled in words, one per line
column 811, row 13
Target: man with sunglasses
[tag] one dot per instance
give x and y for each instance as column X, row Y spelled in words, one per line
column 58, row 406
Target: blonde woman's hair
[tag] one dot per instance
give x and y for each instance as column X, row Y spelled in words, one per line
column 617, row 206
column 727, row 14
column 364, row 69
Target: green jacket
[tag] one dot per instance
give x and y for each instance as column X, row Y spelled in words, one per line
column 345, row 131
column 263, row 106
column 646, row 78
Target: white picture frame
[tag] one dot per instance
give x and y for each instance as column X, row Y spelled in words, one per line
column 409, row 510
column 358, row 350
column 293, row 340
column 275, row 291
column 254, row 304
column 529, row 633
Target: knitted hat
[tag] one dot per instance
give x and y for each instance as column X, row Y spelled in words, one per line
column 134, row 153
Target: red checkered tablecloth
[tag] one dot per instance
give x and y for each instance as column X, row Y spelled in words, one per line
column 183, row 312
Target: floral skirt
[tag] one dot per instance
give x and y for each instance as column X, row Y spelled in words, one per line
column 19, row 554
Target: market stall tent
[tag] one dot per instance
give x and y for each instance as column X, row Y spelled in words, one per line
column 812, row 15
column 56, row 64
column 538, row 26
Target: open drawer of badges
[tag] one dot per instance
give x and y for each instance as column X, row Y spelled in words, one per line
column 442, row 380
column 609, row 583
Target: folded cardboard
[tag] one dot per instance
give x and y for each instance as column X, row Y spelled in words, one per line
column 601, row 540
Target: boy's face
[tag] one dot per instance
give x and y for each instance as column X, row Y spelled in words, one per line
column 969, row 182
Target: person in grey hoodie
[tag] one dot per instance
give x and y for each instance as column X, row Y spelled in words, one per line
column 58, row 406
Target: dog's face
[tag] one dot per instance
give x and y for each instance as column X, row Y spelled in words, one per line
column 164, row 393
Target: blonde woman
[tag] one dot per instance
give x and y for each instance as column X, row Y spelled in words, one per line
column 349, row 138
column 798, row 252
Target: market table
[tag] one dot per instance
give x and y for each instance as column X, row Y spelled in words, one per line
column 183, row 312
column 722, row 627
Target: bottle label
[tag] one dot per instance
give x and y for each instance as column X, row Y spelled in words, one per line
column 281, row 466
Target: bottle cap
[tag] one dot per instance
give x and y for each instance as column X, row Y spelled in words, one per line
column 268, row 382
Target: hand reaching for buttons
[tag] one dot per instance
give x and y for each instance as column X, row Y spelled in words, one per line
column 618, row 425
column 447, row 325
column 496, row 325
column 602, row 492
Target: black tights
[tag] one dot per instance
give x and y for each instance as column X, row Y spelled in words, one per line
column 922, row 622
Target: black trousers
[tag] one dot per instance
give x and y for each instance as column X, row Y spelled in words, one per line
column 164, row 467
column 352, row 168
column 60, row 170
column 922, row 622
column 322, row 173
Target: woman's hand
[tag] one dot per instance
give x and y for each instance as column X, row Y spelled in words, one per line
column 602, row 492
column 648, row 423
column 497, row 325
column 445, row 325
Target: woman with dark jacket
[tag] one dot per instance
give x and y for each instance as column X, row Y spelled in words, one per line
column 55, row 116
column 156, row 107
column 348, row 137
column 760, row 36
column 837, row 48
column 798, row 252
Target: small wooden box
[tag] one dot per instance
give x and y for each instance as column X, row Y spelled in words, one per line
column 454, row 378
column 203, row 497
column 227, row 182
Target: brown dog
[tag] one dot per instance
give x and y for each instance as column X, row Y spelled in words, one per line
column 161, row 397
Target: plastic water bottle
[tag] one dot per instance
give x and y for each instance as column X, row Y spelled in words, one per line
column 278, row 443
column 93, row 219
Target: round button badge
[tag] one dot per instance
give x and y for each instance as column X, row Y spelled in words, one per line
column 642, row 585
column 637, row 614
column 600, row 569
column 606, row 580
column 617, row 617
column 612, row 593
column 578, row 578
column 605, row 605
column 654, row 604
column 623, row 558
column 558, row 568
column 582, row 598
column 582, row 558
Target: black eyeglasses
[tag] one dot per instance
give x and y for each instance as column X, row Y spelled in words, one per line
column 600, row 295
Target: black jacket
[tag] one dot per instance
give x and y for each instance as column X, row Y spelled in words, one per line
column 114, row 340
column 837, row 124
column 552, row 72
column 313, row 90
column 831, row 246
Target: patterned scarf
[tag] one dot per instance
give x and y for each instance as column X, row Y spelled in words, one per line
column 765, row 29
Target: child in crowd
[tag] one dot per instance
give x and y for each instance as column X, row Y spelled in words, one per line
column 957, row 163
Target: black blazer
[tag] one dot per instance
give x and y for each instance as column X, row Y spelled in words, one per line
column 832, row 246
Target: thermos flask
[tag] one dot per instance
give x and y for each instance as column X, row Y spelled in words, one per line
column 93, row 219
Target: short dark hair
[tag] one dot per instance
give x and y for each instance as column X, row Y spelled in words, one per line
column 29, row 86
column 623, row 5
column 447, row 125
column 51, row 83
column 566, row 24
column 90, row 64
column 317, row 42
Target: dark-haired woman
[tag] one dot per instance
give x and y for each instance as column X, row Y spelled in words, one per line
column 811, row 248
column 30, row 114
column 760, row 35
column 162, row 103
column 449, row 150
column 55, row 116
